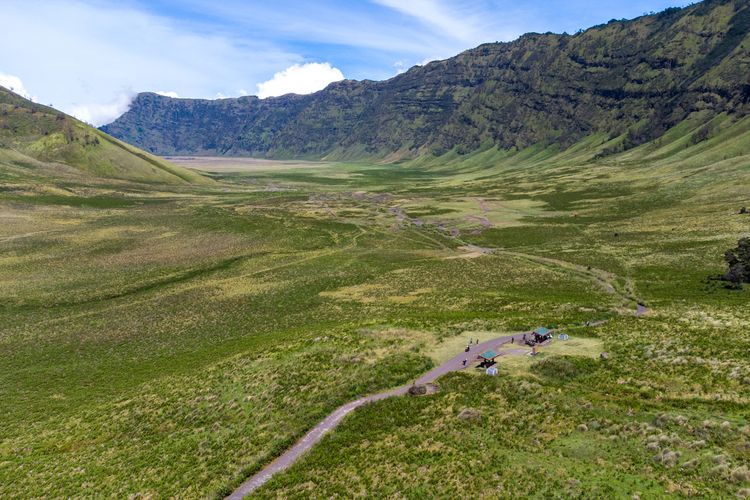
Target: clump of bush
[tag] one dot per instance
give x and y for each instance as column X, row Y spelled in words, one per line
column 691, row 464
column 668, row 458
column 740, row 475
column 738, row 262
column 698, row 444
column 470, row 414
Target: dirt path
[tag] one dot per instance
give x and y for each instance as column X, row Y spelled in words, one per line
column 283, row 462
column 331, row 421
column 605, row 279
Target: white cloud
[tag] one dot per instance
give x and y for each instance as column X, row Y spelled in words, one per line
column 101, row 47
column 101, row 114
column 461, row 24
column 300, row 79
column 15, row 84
column 207, row 49
column 168, row 93
column 322, row 21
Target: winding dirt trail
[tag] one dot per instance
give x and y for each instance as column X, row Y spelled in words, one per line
column 331, row 421
column 286, row 460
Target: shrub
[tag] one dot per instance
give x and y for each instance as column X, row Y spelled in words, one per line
column 470, row 414
column 740, row 475
column 668, row 458
column 691, row 464
column 738, row 261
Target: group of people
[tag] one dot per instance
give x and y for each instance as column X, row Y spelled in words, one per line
column 471, row 342
column 468, row 348
column 531, row 341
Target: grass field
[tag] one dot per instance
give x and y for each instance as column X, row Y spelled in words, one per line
column 168, row 341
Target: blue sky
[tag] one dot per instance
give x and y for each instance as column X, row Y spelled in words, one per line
column 89, row 57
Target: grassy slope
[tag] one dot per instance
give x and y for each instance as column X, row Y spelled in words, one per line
column 170, row 341
column 666, row 416
column 30, row 132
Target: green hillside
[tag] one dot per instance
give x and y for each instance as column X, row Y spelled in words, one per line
column 631, row 80
column 169, row 334
column 39, row 141
column 171, row 344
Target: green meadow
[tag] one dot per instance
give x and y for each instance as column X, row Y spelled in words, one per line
column 168, row 340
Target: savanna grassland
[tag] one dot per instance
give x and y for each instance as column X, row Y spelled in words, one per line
column 169, row 340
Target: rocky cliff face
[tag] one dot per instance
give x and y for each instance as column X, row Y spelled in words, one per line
column 633, row 79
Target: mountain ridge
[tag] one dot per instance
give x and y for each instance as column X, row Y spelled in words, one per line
column 629, row 79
